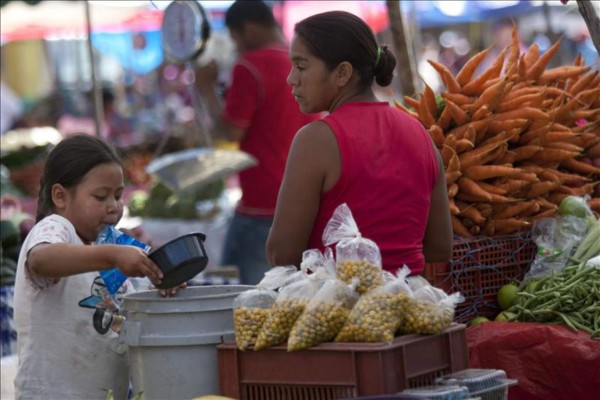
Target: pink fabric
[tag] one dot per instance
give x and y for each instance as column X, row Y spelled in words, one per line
column 389, row 169
column 260, row 101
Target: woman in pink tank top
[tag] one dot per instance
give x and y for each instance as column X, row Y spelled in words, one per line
column 365, row 153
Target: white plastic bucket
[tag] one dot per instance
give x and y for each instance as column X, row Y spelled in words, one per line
column 172, row 340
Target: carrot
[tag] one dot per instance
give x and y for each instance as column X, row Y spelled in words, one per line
column 479, row 155
column 524, row 91
column 550, row 155
column 529, row 113
column 545, row 214
column 429, row 98
column 481, row 172
column 446, row 75
column 521, row 69
column 511, row 136
column 507, row 158
column 445, row 119
column 586, row 114
column 541, row 188
column 437, row 135
column 594, row 204
column 577, row 60
column 491, row 188
column 529, row 167
column 557, row 136
column 411, row 102
column 491, row 96
column 557, row 197
column 526, row 152
column 463, row 145
column 485, row 209
column 470, row 187
column 401, row 107
column 513, row 56
column 532, row 100
column 582, row 82
column 466, row 72
column 554, row 92
column 448, row 149
column 424, row 114
column 474, row 87
column 452, row 177
column 479, row 126
column 471, row 134
column 534, row 136
column 497, row 126
column 562, row 73
column 452, row 190
column 562, row 177
column 472, row 213
column 594, row 151
column 533, row 53
column 525, row 207
column 475, row 229
column 513, row 186
column 580, row 167
column 582, row 190
column 459, row 229
column 482, row 113
column 458, row 114
column 526, row 176
column 510, row 225
column 586, row 139
column 454, row 210
column 546, row 204
column 539, row 66
column 564, row 146
column 457, row 98
column 582, row 98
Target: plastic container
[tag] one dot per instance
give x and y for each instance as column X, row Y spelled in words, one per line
column 341, row 370
column 479, row 267
column 489, row 384
column 172, row 340
column 449, row 392
column 180, row 259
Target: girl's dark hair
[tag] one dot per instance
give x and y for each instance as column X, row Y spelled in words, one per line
column 68, row 163
column 249, row 11
column 338, row 36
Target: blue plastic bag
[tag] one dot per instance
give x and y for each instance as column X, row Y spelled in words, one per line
column 113, row 278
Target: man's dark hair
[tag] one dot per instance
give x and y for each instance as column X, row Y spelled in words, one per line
column 243, row 11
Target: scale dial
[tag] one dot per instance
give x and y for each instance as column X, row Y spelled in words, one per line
column 185, row 30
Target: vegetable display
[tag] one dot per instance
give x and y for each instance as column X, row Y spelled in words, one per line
column 516, row 139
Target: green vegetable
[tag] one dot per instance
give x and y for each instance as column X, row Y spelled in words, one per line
column 590, row 246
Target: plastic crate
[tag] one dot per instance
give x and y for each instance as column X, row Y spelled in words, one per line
column 341, row 370
column 479, row 267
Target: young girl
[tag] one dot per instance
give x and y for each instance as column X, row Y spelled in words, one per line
column 61, row 356
column 365, row 153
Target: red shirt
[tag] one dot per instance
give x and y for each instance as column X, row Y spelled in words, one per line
column 260, row 101
column 389, row 169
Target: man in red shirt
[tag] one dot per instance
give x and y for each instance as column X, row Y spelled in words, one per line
column 261, row 114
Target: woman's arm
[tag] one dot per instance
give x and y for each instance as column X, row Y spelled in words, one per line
column 313, row 166
column 58, row 260
column 437, row 243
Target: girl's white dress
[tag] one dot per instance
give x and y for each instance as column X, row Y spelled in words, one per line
column 61, row 356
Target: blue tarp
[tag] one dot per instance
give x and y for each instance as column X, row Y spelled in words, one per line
column 121, row 46
column 437, row 13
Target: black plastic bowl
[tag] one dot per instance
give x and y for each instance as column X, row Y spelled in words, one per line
column 180, row 259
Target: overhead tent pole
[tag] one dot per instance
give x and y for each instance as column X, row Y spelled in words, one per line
column 96, row 90
column 407, row 70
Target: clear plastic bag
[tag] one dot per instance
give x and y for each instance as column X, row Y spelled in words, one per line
column 428, row 311
column 251, row 308
column 324, row 315
column 377, row 315
column 555, row 239
column 355, row 256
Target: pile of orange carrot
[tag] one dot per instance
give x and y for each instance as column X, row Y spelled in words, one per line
column 515, row 139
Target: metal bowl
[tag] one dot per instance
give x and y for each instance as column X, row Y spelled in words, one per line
column 180, row 259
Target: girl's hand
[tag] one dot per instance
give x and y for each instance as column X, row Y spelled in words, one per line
column 132, row 261
column 170, row 292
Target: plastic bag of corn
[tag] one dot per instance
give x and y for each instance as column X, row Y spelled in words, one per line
column 324, row 315
column 356, row 257
column 377, row 314
column 428, row 311
column 251, row 308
